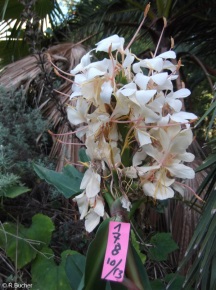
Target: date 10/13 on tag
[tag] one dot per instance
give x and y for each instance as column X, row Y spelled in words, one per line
column 116, row 251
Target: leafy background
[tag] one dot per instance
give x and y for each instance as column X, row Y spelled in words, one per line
column 39, row 223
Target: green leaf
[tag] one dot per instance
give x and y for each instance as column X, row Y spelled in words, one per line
column 94, row 262
column 212, row 107
column 75, row 267
column 136, row 247
column 135, row 270
column 23, row 243
column 158, row 285
column 126, row 154
column 4, row 9
column 177, row 284
column 83, row 156
column 207, row 162
column 67, row 182
column 14, row 191
column 95, row 257
column 162, row 245
column 46, row 274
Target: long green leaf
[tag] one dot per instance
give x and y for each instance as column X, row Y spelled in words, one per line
column 75, row 267
column 207, row 162
column 204, row 241
column 135, row 270
column 67, row 182
column 95, row 257
column 212, row 107
column 4, row 9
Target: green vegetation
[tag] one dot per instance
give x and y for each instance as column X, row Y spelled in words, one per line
column 42, row 240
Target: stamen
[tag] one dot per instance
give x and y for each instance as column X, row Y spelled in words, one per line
column 56, row 67
column 191, row 189
column 159, row 41
column 61, row 93
column 68, row 133
column 58, row 74
column 68, row 143
column 141, row 24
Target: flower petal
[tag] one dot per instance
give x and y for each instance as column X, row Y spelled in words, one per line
column 186, row 157
column 113, row 42
column 125, row 203
column 143, row 169
column 99, row 207
column 181, row 171
column 178, row 188
column 128, row 90
column 160, row 78
column 143, row 137
column 138, row 157
column 182, row 93
column 130, row 172
column 168, row 54
column 183, row 117
column 75, row 116
column 91, row 221
column 158, row 192
column 141, row 80
column 175, row 104
column 82, row 203
column 169, row 66
column 85, row 60
column 153, row 63
column 106, row 92
column 144, row 96
column 128, row 60
column 91, row 183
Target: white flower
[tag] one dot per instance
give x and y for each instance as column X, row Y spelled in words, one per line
column 85, row 60
column 167, row 54
column 91, row 183
column 183, row 117
column 172, row 144
column 91, row 221
column 160, row 78
column 112, row 43
column 142, row 136
column 155, row 64
column 141, row 80
column 94, row 215
column 78, row 115
column 130, row 172
column 119, row 93
column 172, row 97
column 128, row 60
column 160, row 187
column 138, row 157
column 82, row 202
column 106, row 92
column 126, row 203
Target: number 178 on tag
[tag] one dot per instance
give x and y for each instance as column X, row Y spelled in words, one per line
column 116, row 251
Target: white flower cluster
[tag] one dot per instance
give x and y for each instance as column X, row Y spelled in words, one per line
column 125, row 102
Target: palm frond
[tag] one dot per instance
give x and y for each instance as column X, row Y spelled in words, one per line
column 202, row 244
column 15, row 19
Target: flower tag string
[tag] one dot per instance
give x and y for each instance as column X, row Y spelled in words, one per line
column 116, row 251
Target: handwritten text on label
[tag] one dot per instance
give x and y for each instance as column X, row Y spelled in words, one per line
column 116, row 251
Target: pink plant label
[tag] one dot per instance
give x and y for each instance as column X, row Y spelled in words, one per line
column 116, row 251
